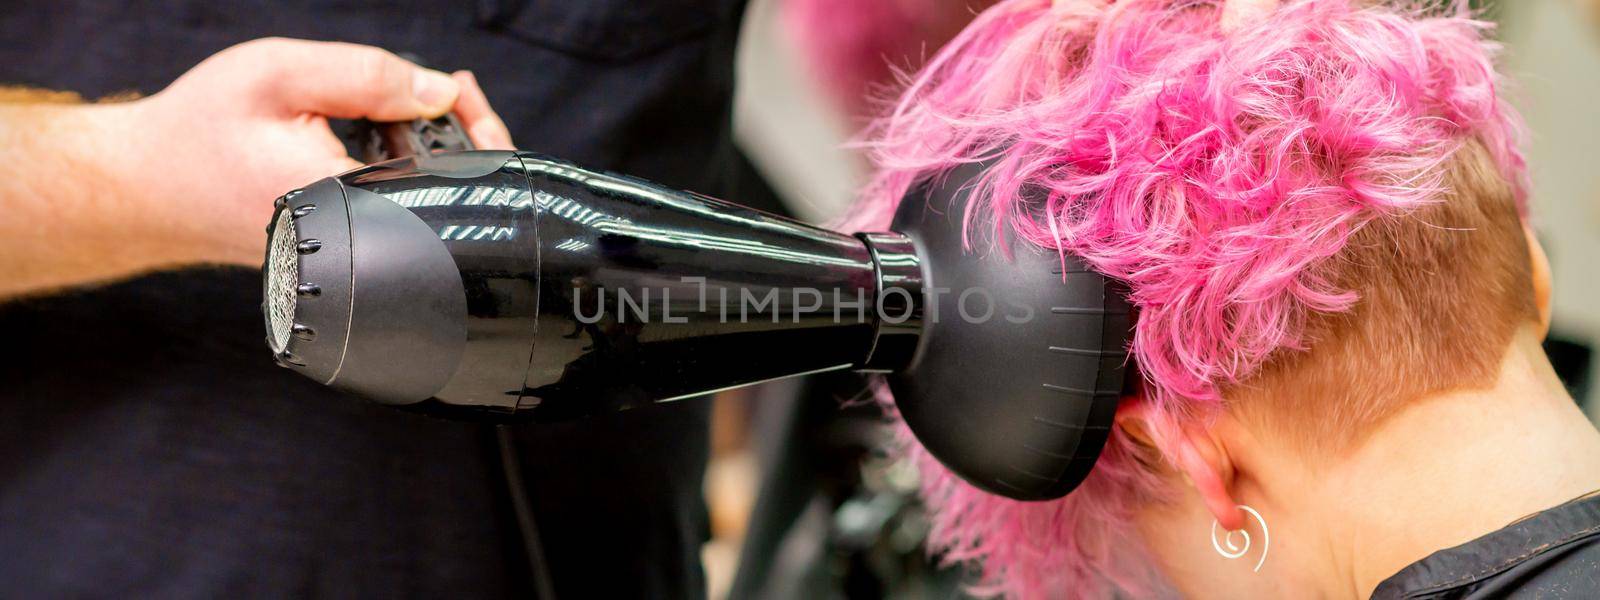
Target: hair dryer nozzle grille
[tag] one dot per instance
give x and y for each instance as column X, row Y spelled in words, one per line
column 282, row 276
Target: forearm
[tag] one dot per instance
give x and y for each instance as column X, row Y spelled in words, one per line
column 95, row 192
column 70, row 215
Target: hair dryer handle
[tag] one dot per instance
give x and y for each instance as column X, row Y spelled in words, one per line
column 381, row 141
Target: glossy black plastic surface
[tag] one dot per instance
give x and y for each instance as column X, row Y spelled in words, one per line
column 585, row 291
column 590, row 291
column 1022, row 358
column 649, row 294
column 483, row 213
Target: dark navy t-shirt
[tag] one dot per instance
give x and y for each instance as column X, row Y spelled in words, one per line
column 150, row 447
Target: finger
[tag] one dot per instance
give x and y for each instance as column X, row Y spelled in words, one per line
column 352, row 81
column 1239, row 13
column 485, row 128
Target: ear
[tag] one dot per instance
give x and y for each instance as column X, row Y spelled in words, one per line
column 1541, row 279
column 1194, row 450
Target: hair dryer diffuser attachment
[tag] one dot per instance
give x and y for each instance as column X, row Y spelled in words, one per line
column 1020, row 404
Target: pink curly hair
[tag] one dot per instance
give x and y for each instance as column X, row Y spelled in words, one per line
column 1214, row 172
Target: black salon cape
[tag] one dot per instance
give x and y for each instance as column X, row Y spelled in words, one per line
column 149, row 447
column 1553, row 554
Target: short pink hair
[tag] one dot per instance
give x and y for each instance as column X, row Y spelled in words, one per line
column 1211, row 171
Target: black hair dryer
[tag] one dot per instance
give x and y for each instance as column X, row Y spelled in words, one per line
column 513, row 286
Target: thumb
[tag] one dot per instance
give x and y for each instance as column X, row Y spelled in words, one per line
column 350, row 81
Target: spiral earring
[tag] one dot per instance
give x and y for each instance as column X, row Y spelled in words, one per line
column 1237, row 550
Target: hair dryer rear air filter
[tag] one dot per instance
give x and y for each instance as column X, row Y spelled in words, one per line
column 361, row 296
column 514, row 286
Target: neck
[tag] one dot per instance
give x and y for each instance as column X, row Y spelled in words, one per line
column 1449, row 469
